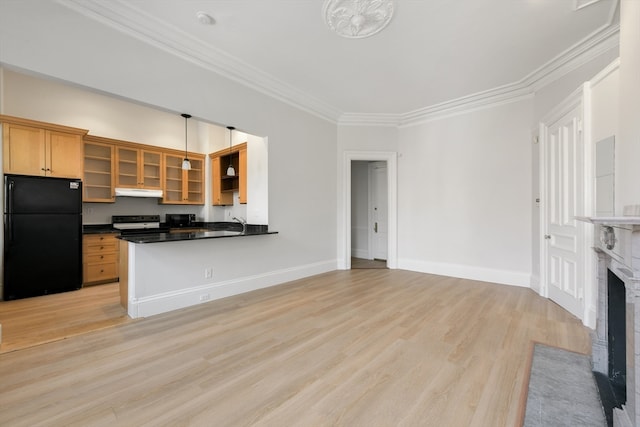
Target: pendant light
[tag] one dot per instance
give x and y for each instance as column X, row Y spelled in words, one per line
column 230, row 170
column 186, row 164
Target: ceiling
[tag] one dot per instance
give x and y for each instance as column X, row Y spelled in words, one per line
column 432, row 52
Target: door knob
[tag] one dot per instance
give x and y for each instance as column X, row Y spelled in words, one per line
column 547, row 236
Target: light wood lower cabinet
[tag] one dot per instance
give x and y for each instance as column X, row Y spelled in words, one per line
column 100, row 258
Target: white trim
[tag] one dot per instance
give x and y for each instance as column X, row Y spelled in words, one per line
column 503, row 277
column 535, row 283
column 580, row 4
column 344, row 241
column 370, row 221
column 588, row 208
column 169, row 301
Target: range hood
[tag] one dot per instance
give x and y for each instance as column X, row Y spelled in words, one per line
column 138, row 192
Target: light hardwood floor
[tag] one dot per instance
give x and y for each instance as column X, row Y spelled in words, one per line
column 34, row 321
column 346, row 348
column 367, row 263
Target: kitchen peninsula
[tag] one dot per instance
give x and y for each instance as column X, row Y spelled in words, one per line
column 161, row 272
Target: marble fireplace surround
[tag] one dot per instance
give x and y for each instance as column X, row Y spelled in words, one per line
column 618, row 249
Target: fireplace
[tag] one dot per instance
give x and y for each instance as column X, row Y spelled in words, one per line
column 616, row 339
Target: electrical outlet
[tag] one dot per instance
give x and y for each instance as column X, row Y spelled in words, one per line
column 204, row 297
column 208, row 273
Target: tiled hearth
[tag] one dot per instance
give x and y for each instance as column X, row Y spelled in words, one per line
column 618, row 249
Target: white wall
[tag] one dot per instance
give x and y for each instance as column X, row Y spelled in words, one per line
column 302, row 147
column 628, row 143
column 465, row 195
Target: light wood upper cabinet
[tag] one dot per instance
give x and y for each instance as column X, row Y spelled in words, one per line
column 242, row 179
column 138, row 168
column 183, row 187
column 99, row 167
column 223, row 186
column 41, row 149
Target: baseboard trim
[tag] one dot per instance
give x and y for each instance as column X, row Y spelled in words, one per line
column 360, row 253
column 169, row 301
column 535, row 283
column 503, row 277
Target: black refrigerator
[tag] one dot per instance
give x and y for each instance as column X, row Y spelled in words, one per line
column 42, row 236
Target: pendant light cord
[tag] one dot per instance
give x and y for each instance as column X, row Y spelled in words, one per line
column 186, row 117
column 230, row 168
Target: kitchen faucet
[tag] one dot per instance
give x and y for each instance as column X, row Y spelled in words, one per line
column 243, row 222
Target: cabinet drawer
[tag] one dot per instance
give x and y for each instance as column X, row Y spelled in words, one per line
column 100, row 272
column 99, row 248
column 101, row 258
column 94, row 239
column 99, row 243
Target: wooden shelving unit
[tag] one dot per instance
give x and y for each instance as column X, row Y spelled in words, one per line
column 223, row 185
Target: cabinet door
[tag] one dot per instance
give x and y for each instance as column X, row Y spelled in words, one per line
column 194, row 184
column 98, row 172
column 23, row 150
column 151, row 169
column 242, row 167
column 173, row 180
column 64, row 155
column 127, row 167
column 219, row 198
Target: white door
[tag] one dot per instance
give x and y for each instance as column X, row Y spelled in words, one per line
column 563, row 182
column 379, row 209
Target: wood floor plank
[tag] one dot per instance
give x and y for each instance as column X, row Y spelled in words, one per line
column 34, row 321
column 346, row 348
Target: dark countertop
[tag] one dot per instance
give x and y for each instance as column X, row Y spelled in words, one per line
column 98, row 229
column 182, row 236
column 213, row 230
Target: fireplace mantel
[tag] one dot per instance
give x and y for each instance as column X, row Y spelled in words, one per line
column 611, row 220
column 617, row 244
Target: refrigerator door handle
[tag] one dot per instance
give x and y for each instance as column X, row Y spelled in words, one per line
column 8, row 230
column 9, row 196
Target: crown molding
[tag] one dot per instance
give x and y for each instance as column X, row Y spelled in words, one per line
column 370, row 119
column 580, row 4
column 128, row 19
column 597, row 43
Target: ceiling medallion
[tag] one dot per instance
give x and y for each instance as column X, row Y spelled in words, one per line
column 356, row 19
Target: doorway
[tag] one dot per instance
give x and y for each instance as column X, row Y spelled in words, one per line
column 375, row 169
column 369, row 208
column 565, row 165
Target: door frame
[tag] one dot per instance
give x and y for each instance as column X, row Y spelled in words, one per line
column 392, row 199
column 579, row 98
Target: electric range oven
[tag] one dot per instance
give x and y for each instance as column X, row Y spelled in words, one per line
column 138, row 224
